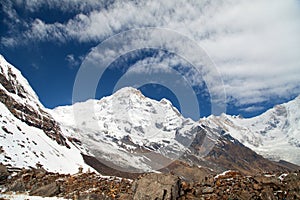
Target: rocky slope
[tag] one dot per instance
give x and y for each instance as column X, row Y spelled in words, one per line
column 227, row 185
column 29, row 134
column 23, row 103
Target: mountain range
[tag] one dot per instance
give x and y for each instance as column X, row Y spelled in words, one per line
column 127, row 133
column 274, row 134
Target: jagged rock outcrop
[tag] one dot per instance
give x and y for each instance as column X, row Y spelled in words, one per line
column 49, row 190
column 3, row 173
column 22, row 102
column 226, row 153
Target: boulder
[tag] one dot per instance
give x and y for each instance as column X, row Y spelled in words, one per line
column 156, row 187
column 49, row 190
column 207, row 190
column 17, row 186
column 267, row 194
column 3, row 173
column 93, row 197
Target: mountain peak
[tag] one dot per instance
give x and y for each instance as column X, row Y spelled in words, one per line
column 127, row 91
column 16, row 85
column 277, row 128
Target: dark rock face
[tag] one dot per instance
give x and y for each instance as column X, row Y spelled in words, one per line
column 18, row 186
column 37, row 116
column 3, row 173
column 225, row 153
column 49, row 190
column 156, row 186
column 106, row 170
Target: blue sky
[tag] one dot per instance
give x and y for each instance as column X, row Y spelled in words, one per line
column 255, row 46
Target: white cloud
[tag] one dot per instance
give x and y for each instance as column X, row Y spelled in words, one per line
column 255, row 44
column 63, row 5
column 73, row 62
column 252, row 109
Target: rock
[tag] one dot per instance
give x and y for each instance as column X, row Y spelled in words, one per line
column 208, row 181
column 267, row 194
column 36, row 115
column 17, row 186
column 271, row 180
column 207, row 190
column 125, row 197
column 256, row 186
column 292, row 184
column 40, row 173
column 3, row 173
column 244, row 195
column 49, row 190
column 93, row 197
column 156, row 187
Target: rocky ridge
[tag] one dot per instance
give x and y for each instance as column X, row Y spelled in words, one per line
column 228, row 185
column 29, row 134
column 17, row 95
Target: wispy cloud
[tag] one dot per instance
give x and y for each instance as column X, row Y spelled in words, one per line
column 255, row 44
column 72, row 61
column 252, row 109
column 63, row 5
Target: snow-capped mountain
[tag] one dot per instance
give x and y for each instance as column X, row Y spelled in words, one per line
column 129, row 129
column 274, row 134
column 130, row 132
column 29, row 134
column 125, row 131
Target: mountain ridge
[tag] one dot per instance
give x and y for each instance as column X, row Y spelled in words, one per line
column 29, row 134
column 203, row 147
column 125, row 131
column 273, row 134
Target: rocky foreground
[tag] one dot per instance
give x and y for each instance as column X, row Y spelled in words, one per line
column 229, row 185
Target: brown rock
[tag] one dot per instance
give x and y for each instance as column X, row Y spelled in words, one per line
column 17, row 186
column 267, row 180
column 267, row 194
column 49, row 190
column 207, row 190
column 93, row 197
column 184, row 185
column 293, row 181
column 256, row 186
column 244, row 195
column 3, row 173
column 125, row 197
column 156, row 186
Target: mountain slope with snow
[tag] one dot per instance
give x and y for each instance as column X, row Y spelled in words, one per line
column 29, row 135
column 130, row 132
column 125, row 131
column 129, row 129
column 24, row 146
column 274, row 134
